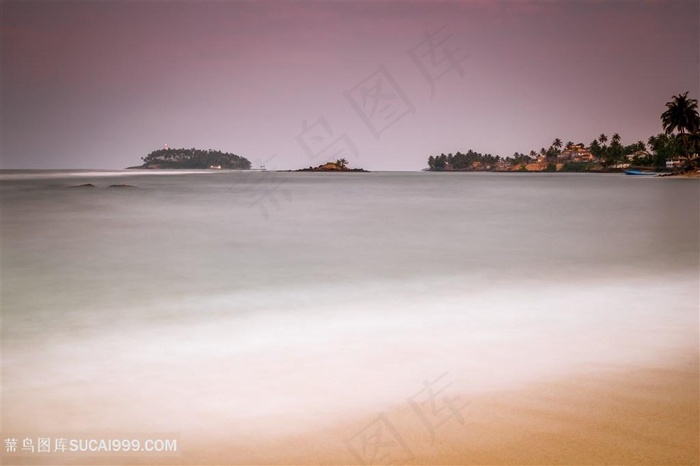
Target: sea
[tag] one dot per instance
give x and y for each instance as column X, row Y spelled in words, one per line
column 265, row 303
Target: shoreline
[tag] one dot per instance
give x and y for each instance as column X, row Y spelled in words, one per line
column 692, row 175
column 646, row 415
column 606, row 415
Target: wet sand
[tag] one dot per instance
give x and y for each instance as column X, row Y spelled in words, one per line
column 613, row 416
column 609, row 415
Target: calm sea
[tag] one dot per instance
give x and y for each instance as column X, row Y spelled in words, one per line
column 273, row 302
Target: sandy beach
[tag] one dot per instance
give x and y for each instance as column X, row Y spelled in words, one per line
column 621, row 416
column 643, row 416
column 614, row 416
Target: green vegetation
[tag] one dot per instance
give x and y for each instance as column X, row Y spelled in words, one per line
column 340, row 165
column 193, row 158
column 678, row 145
column 682, row 115
column 460, row 161
column 578, row 167
column 616, row 153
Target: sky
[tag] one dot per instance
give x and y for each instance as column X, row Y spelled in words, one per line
column 100, row 84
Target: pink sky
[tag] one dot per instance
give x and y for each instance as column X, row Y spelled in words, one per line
column 100, row 84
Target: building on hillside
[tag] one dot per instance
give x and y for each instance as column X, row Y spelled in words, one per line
column 576, row 153
column 640, row 154
column 502, row 165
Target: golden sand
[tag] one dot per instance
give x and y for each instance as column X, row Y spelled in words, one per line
column 615, row 416
column 622, row 417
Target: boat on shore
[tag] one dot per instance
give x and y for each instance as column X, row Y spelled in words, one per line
column 635, row 171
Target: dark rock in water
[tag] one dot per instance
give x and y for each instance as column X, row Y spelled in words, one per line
column 333, row 167
column 121, row 186
column 86, row 185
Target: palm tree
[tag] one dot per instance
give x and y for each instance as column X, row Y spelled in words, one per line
column 341, row 163
column 681, row 114
column 595, row 149
column 616, row 138
column 557, row 143
column 694, row 140
column 603, row 138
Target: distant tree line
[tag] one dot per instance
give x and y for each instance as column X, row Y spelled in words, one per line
column 194, row 158
column 462, row 161
column 680, row 141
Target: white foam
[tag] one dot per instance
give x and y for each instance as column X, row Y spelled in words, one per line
column 289, row 366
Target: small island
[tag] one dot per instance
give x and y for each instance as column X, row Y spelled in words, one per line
column 340, row 165
column 193, row 159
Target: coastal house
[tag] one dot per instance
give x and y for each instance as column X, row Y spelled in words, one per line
column 576, row 153
column 640, row 154
column 620, row 165
column 502, row 165
column 583, row 157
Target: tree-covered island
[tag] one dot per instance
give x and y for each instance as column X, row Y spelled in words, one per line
column 193, row 158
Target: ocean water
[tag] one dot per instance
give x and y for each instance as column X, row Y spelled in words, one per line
column 216, row 303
